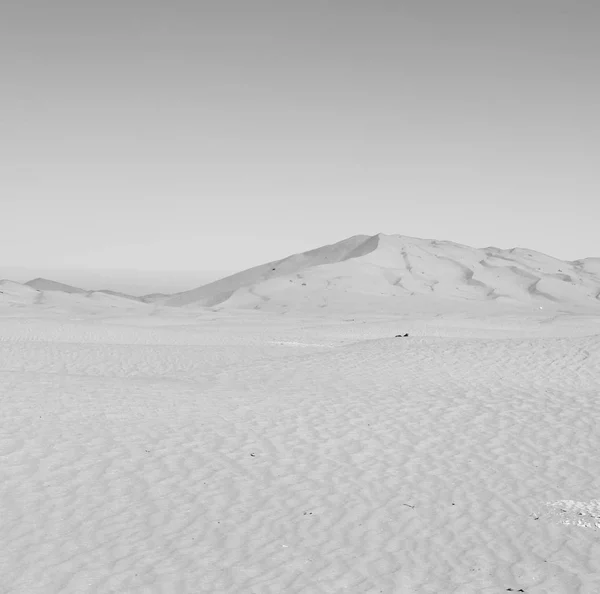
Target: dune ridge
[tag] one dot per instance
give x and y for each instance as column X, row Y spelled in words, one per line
column 388, row 273
column 397, row 267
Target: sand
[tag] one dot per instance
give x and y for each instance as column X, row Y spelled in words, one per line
column 254, row 453
column 381, row 272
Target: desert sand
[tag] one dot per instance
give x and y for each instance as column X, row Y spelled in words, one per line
column 270, row 443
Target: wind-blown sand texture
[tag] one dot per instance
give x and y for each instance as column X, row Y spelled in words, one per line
column 271, row 435
column 254, row 453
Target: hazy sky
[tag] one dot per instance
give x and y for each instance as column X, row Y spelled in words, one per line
column 219, row 135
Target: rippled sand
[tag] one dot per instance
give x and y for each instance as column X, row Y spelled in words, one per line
column 243, row 453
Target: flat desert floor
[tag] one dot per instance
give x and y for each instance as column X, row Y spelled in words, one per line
column 253, row 453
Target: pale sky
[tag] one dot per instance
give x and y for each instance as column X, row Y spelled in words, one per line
column 197, row 135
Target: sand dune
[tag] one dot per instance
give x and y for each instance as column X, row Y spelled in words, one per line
column 386, row 273
column 221, row 290
column 589, row 265
column 231, row 449
column 50, row 296
column 44, row 284
column 12, row 293
column 394, row 268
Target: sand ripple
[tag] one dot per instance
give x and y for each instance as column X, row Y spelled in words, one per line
column 384, row 466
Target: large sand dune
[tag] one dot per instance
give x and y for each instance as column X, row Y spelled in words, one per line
column 183, row 450
column 370, row 270
column 391, row 274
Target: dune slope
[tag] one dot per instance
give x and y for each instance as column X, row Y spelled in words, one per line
column 390, row 269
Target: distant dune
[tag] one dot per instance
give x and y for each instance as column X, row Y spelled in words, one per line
column 380, row 273
column 57, row 296
column 394, row 268
column 43, row 284
column 16, row 293
column 221, row 290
